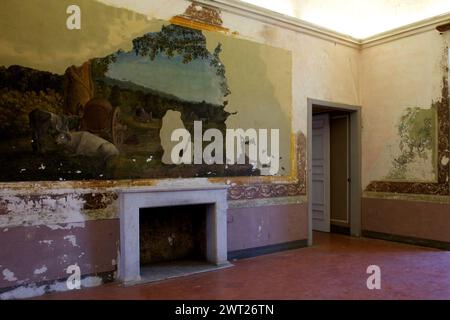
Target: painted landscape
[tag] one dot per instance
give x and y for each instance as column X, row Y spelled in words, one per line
column 103, row 119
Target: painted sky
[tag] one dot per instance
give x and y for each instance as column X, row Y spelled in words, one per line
column 195, row 81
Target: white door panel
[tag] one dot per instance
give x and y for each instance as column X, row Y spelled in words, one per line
column 321, row 173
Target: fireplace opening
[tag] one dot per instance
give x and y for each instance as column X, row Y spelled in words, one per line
column 174, row 241
column 172, row 231
column 169, row 234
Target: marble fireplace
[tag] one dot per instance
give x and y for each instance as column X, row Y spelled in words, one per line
column 133, row 200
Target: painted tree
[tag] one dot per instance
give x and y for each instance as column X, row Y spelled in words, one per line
column 190, row 44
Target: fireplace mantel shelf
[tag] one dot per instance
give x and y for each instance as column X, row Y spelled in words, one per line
column 173, row 187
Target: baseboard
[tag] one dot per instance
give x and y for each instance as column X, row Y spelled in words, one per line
column 409, row 240
column 259, row 251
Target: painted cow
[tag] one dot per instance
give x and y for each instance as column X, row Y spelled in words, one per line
column 83, row 143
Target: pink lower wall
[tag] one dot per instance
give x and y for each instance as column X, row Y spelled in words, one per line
column 42, row 253
column 423, row 220
column 265, row 226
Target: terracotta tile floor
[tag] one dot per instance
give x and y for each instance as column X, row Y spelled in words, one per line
column 334, row 268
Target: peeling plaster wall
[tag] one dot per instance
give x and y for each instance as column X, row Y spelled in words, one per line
column 45, row 230
column 397, row 75
column 404, row 73
column 54, row 208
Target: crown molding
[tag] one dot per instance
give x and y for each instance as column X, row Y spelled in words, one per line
column 248, row 10
column 251, row 11
column 406, row 31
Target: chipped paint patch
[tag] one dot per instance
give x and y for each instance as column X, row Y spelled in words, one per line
column 3, row 209
column 30, row 291
column 23, row 293
column 8, row 275
column 445, row 160
column 95, row 201
column 41, row 270
column 68, row 226
column 260, row 229
column 34, row 209
column 47, row 242
column 90, row 282
column 72, row 239
column 63, row 259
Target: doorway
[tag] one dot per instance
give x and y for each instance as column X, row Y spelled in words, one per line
column 334, row 168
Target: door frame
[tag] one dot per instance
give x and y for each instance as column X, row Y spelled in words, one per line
column 355, row 163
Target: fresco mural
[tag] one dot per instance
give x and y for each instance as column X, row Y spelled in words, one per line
column 417, row 129
column 422, row 140
column 104, row 118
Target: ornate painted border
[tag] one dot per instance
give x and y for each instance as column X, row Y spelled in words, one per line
column 273, row 190
column 441, row 187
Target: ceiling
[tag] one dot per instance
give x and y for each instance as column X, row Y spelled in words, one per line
column 357, row 18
